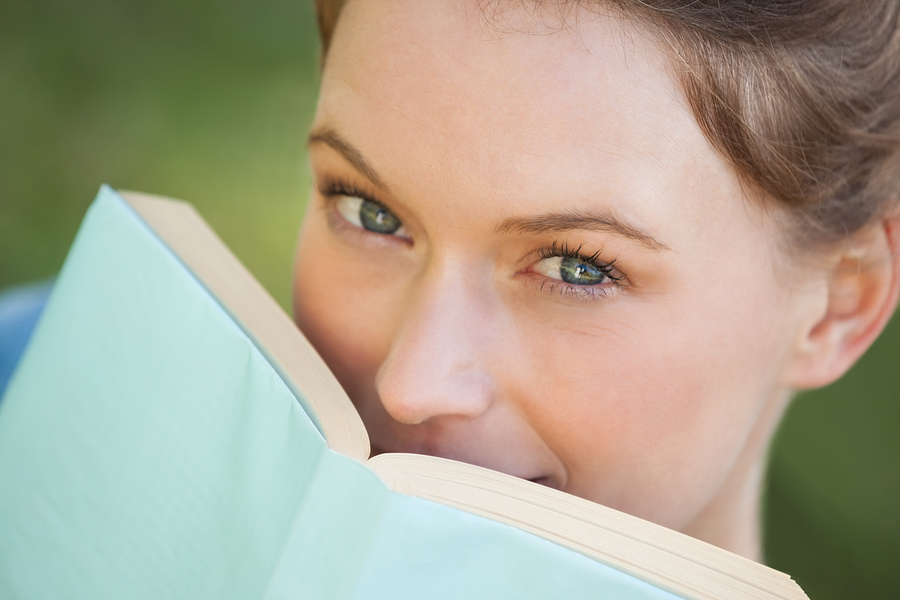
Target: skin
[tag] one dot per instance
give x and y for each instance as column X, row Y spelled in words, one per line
column 656, row 394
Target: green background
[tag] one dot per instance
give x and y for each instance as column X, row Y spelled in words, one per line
column 210, row 101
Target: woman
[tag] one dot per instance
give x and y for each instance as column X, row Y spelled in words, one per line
column 600, row 245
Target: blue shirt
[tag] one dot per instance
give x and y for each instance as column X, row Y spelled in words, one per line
column 20, row 308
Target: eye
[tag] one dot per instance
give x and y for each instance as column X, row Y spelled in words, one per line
column 573, row 270
column 370, row 216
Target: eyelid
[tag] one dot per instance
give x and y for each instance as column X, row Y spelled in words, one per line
column 332, row 187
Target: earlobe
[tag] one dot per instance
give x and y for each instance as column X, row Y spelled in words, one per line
column 863, row 289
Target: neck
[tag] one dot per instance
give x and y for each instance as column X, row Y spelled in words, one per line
column 732, row 518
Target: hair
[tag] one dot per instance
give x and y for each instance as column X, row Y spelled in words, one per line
column 802, row 97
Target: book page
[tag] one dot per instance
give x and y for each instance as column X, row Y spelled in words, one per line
column 182, row 229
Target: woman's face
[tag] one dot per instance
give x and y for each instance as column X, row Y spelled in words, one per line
column 521, row 252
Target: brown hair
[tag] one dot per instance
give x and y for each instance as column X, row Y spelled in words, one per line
column 801, row 96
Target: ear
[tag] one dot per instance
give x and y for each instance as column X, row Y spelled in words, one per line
column 863, row 287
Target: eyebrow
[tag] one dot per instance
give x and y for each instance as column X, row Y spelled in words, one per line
column 534, row 225
column 330, row 137
column 575, row 220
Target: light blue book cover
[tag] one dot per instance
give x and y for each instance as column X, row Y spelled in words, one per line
column 149, row 449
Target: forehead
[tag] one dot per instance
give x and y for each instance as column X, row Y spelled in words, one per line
column 518, row 108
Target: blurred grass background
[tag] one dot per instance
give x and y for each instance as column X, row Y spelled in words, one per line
column 200, row 100
column 210, row 101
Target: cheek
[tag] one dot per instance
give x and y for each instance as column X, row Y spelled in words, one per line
column 648, row 413
column 343, row 306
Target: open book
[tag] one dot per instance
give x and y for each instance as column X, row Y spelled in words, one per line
column 169, row 433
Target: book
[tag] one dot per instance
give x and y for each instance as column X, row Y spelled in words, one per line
column 169, row 433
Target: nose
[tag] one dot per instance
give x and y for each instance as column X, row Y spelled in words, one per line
column 437, row 363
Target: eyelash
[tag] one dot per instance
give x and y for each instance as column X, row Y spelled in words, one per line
column 331, row 188
column 580, row 291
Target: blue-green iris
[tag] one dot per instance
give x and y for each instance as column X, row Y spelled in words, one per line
column 377, row 218
column 579, row 272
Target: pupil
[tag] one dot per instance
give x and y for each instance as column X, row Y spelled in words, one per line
column 376, row 218
column 573, row 270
